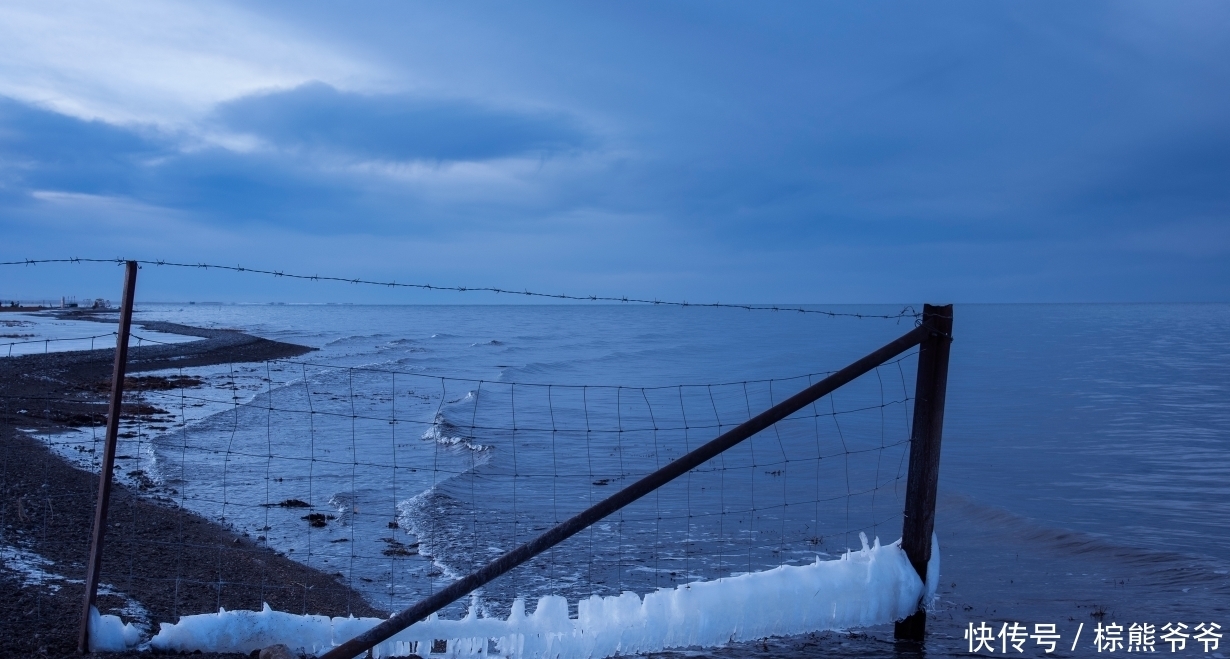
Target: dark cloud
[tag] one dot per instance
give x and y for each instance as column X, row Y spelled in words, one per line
column 316, row 116
column 233, row 187
column 42, row 149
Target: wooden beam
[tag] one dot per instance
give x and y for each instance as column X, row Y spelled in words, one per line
column 94, row 564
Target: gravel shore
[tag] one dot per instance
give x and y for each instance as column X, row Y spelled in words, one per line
column 164, row 559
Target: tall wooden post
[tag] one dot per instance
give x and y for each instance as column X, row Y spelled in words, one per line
column 920, row 489
column 94, row 564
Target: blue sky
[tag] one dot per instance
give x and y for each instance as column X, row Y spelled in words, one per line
column 819, row 152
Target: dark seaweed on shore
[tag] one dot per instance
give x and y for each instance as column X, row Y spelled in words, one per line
column 149, row 383
column 397, row 548
column 318, row 520
column 289, row 503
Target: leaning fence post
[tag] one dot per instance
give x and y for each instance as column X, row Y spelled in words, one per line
column 928, row 427
column 94, row 564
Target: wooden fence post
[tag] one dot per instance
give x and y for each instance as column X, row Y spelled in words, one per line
column 920, row 489
column 94, row 564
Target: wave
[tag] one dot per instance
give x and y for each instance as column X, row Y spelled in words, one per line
column 438, row 523
column 353, row 338
column 445, row 433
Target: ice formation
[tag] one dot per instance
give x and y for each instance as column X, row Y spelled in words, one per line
column 109, row 634
column 875, row 585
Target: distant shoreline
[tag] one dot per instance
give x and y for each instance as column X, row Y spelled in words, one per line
column 26, row 309
column 172, row 561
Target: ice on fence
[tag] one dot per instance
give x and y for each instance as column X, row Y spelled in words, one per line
column 109, row 634
column 872, row 586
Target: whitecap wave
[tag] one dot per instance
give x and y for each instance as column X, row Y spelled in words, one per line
column 445, row 433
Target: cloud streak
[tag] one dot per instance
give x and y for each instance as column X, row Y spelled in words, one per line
column 165, row 63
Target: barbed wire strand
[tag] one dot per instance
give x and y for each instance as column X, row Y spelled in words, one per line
column 906, row 312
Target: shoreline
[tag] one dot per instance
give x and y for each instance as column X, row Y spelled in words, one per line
column 167, row 560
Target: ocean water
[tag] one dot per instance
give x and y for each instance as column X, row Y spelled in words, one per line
column 1085, row 473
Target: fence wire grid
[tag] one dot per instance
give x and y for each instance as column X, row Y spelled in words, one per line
column 396, row 483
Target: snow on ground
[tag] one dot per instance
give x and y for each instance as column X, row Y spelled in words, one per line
column 108, row 633
column 29, row 567
column 875, row 585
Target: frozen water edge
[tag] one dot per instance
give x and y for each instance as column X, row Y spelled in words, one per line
column 872, row 586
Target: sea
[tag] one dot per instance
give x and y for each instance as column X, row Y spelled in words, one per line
column 1084, row 477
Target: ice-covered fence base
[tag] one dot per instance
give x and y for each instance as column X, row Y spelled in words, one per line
column 873, row 586
column 109, row 634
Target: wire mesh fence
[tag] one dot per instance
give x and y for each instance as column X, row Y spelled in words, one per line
column 351, row 489
column 44, row 346
column 396, row 482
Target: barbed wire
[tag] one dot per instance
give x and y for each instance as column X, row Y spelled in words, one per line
column 906, row 312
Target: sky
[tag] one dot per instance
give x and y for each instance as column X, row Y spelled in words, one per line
column 808, row 152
